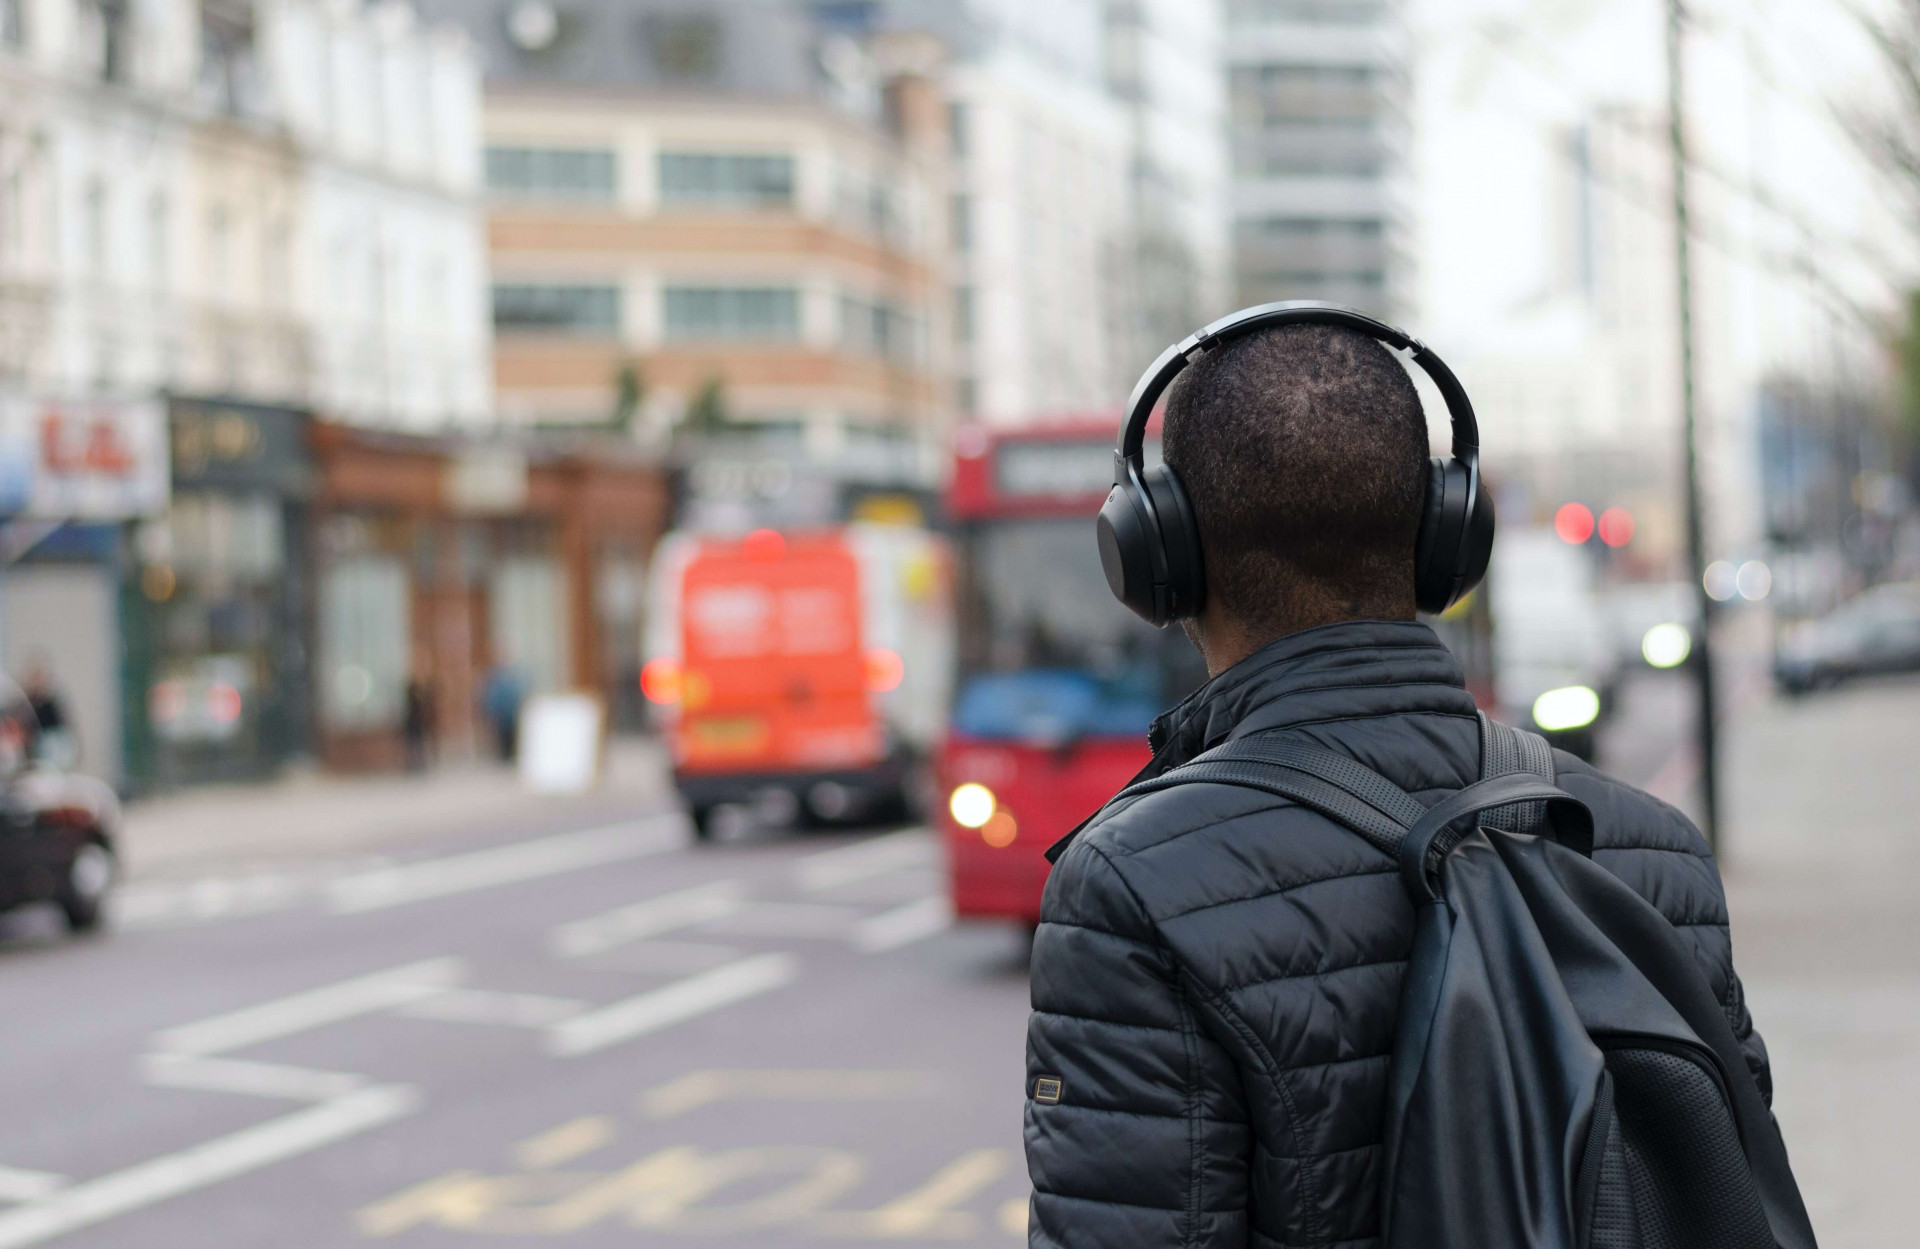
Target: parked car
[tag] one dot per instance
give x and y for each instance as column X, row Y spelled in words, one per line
column 56, row 828
column 1878, row 631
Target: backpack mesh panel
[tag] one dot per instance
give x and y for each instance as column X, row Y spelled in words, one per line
column 1675, row 1176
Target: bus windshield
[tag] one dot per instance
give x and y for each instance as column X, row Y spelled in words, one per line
column 1046, row 654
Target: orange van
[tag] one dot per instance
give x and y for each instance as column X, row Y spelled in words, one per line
column 802, row 672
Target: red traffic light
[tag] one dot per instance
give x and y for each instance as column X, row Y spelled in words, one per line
column 1616, row 526
column 1574, row 523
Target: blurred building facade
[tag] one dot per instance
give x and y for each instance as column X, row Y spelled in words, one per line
column 724, row 223
column 1164, row 66
column 220, row 219
column 1317, row 107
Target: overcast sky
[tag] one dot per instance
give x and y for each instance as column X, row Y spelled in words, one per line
column 1499, row 78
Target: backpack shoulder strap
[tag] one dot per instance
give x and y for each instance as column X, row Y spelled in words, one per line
column 1505, row 750
column 1339, row 788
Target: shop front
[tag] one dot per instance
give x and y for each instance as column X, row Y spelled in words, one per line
column 72, row 473
column 455, row 577
column 218, row 634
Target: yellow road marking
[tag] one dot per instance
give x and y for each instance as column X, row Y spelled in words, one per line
column 1013, row 1217
column 565, row 1143
column 432, row 1202
column 703, row 1088
column 928, row 1210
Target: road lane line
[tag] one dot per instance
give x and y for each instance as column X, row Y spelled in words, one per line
column 563, row 1144
column 663, row 1007
column 239, row 1075
column 506, row 865
column 596, row 934
column 903, row 925
column 880, row 856
column 361, row 995
column 210, row 1162
column 20, row 1184
column 485, row 1006
column 790, row 919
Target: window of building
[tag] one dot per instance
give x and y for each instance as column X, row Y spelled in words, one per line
column 159, row 254
column 1310, row 12
column 1314, row 228
column 364, row 627
column 966, row 395
column 97, row 241
column 735, row 180
column 551, row 173
column 1263, row 95
column 528, row 307
column 959, row 136
column 877, row 328
column 227, row 55
column 13, row 23
column 963, row 314
column 962, row 212
column 733, row 312
column 219, row 253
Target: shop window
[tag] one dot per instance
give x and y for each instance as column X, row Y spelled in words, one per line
column 551, row 173
column 708, row 312
column 364, row 627
column 556, row 309
column 736, row 179
column 527, row 615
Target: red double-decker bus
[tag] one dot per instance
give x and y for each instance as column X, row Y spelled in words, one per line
column 1058, row 683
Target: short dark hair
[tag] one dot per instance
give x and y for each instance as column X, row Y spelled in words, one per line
column 1304, row 450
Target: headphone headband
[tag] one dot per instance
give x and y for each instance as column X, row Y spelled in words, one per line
column 1146, row 393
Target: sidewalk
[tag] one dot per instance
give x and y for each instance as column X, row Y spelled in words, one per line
column 317, row 815
column 1822, row 861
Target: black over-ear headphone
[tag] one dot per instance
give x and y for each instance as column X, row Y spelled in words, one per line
column 1150, row 540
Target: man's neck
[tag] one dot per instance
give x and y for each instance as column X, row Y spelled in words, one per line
column 1224, row 640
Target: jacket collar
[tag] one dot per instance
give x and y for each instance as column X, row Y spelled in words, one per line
column 1336, row 671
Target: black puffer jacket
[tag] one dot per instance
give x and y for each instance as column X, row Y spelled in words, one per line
column 1217, row 972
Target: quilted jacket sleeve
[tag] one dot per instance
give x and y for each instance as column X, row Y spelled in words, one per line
column 1136, row 1130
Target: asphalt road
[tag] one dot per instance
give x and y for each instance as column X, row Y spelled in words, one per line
column 587, row 1035
column 590, row 1036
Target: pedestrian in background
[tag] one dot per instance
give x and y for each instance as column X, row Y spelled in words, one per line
column 417, row 719
column 500, row 700
column 56, row 744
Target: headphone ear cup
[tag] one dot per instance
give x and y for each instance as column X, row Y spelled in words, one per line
column 1186, row 587
column 1123, row 534
column 1436, row 550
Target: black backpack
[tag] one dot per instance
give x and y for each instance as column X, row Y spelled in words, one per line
column 1563, row 1077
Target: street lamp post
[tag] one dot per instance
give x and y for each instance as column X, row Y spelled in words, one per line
column 1696, row 535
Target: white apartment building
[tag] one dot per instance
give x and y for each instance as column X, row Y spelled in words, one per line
column 272, row 200
column 1319, row 132
column 1041, row 210
column 1163, row 63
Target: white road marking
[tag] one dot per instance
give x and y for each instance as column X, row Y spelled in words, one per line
column 484, row 1006
column 239, row 1075
column 210, row 1162
column 19, row 1184
column 903, row 925
column 672, row 1004
column 505, row 865
column 360, row 996
column 908, row 848
column 789, row 919
column 597, row 934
